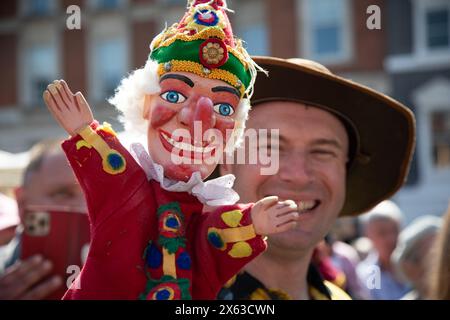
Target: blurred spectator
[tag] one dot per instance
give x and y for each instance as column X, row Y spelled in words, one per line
column 345, row 229
column 9, row 219
column 322, row 260
column 411, row 257
column 363, row 247
column 47, row 180
column 382, row 227
column 346, row 258
column 440, row 269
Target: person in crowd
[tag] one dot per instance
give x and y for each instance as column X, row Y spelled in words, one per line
column 411, row 257
column 382, row 226
column 47, row 181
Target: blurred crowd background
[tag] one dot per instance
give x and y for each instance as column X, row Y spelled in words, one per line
column 408, row 58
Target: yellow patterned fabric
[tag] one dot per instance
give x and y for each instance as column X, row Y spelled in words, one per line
column 232, row 218
column 169, row 268
column 244, row 287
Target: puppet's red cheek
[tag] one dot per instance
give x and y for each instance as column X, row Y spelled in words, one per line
column 224, row 125
column 161, row 115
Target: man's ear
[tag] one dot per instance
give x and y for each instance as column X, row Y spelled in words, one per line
column 146, row 111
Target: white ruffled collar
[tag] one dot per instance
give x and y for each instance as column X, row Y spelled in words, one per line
column 215, row 192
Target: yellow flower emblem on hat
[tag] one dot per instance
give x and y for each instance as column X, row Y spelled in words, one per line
column 213, row 53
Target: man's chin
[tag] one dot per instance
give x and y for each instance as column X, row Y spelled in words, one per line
column 294, row 239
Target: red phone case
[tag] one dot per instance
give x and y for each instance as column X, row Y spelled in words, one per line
column 60, row 236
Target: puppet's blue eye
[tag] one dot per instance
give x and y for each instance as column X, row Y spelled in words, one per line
column 224, row 109
column 173, row 96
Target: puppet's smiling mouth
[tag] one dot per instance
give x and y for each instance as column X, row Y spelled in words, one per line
column 169, row 144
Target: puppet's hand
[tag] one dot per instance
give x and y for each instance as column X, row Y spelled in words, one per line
column 70, row 110
column 272, row 216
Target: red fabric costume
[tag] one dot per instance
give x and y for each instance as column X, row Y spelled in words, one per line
column 147, row 242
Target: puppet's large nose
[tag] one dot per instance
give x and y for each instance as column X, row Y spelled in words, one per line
column 204, row 113
column 198, row 117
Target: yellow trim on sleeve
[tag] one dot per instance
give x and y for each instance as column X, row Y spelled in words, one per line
column 82, row 143
column 92, row 138
column 236, row 234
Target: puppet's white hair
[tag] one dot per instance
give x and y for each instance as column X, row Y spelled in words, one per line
column 129, row 100
column 129, row 97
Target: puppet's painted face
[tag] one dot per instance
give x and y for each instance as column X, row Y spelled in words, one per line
column 180, row 119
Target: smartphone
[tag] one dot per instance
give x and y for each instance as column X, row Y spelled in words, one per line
column 61, row 235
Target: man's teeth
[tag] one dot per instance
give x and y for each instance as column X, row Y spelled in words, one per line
column 306, row 205
column 186, row 146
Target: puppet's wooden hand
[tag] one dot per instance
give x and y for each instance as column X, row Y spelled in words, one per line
column 70, row 110
column 272, row 216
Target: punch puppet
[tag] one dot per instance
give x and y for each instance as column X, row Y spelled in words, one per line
column 158, row 231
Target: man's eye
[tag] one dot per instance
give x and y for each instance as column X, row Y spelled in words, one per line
column 173, row 96
column 224, row 109
column 324, row 153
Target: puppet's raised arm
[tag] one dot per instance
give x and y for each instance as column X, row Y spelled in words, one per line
column 105, row 170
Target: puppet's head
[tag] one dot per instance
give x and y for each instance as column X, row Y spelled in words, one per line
column 192, row 96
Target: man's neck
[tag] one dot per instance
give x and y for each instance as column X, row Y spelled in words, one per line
column 288, row 274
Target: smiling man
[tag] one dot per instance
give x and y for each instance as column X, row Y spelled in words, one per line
column 342, row 149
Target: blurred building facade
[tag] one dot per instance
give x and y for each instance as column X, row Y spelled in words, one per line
column 418, row 63
column 408, row 58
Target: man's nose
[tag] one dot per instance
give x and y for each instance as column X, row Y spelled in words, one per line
column 296, row 169
column 198, row 114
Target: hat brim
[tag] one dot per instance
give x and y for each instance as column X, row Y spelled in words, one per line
column 385, row 127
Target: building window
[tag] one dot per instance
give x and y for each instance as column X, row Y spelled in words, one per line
column 326, row 32
column 41, row 69
column 438, row 27
column 326, row 27
column 249, row 26
column 440, row 129
column 432, row 27
column 38, row 7
column 173, row 2
column 110, row 65
column 106, row 4
column 255, row 39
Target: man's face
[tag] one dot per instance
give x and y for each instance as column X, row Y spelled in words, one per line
column 383, row 233
column 52, row 184
column 313, row 147
column 187, row 100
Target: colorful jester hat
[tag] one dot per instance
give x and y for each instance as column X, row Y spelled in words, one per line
column 203, row 44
